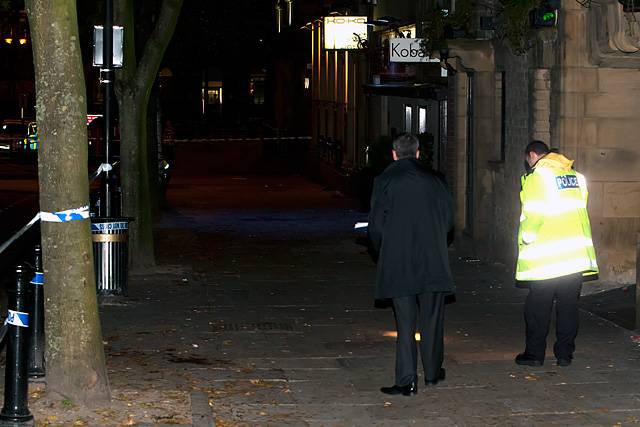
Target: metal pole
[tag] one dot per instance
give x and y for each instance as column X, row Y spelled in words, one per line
column 107, row 79
column 16, row 381
column 36, row 349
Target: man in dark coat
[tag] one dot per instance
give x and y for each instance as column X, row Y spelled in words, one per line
column 411, row 213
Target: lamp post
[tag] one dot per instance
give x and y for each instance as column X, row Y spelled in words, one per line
column 106, row 77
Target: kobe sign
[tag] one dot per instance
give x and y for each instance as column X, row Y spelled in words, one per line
column 408, row 50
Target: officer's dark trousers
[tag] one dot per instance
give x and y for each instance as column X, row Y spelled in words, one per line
column 537, row 314
column 427, row 311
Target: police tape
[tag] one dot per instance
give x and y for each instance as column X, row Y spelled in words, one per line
column 20, row 232
column 17, row 318
column 77, row 214
column 38, row 279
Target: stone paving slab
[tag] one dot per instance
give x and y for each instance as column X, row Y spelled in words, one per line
column 279, row 328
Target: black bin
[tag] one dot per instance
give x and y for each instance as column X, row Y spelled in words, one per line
column 110, row 254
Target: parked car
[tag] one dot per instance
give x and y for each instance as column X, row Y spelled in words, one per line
column 11, row 131
column 24, row 144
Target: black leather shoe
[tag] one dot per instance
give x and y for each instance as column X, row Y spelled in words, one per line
column 525, row 359
column 405, row 390
column 441, row 376
column 563, row 362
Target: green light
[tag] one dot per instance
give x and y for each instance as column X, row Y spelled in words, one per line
column 549, row 16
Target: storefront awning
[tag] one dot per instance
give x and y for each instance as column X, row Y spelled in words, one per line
column 436, row 91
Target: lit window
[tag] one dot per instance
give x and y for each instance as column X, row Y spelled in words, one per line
column 408, row 119
column 214, row 96
column 422, row 120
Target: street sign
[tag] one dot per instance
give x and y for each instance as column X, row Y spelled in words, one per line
column 98, row 44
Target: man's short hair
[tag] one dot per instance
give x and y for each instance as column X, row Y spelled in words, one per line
column 406, row 146
column 537, row 147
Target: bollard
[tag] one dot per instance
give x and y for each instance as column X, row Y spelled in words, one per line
column 16, row 383
column 36, row 329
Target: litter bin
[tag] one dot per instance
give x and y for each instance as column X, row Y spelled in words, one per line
column 110, row 254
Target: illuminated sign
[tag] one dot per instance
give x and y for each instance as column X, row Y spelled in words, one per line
column 345, row 32
column 408, row 50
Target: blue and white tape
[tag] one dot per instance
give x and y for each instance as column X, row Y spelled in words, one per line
column 38, row 279
column 17, row 318
column 77, row 214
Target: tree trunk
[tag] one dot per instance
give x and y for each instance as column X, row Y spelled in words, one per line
column 133, row 88
column 135, row 183
column 74, row 351
column 153, row 157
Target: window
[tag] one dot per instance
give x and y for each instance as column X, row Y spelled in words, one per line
column 422, row 119
column 408, row 119
column 214, row 96
column 256, row 89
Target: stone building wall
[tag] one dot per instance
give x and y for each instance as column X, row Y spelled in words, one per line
column 574, row 91
column 598, row 126
column 506, row 173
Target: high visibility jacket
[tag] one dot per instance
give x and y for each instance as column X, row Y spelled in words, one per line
column 554, row 237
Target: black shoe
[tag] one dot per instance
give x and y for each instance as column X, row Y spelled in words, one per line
column 563, row 362
column 441, row 376
column 405, row 390
column 525, row 359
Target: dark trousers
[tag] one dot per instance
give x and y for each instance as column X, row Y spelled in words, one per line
column 537, row 314
column 427, row 311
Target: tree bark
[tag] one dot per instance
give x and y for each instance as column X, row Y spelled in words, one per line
column 74, row 350
column 136, row 198
column 134, row 84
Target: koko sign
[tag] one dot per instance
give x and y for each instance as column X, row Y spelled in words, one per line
column 408, row 50
column 345, row 32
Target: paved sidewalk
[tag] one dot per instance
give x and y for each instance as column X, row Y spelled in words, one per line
column 263, row 301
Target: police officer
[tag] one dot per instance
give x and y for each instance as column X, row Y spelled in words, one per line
column 555, row 251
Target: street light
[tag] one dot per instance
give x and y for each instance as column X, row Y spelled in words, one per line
column 8, row 33
column 278, row 17
column 280, row 9
column 15, row 26
column 23, row 38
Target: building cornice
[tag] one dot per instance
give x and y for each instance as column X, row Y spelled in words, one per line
column 613, row 35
